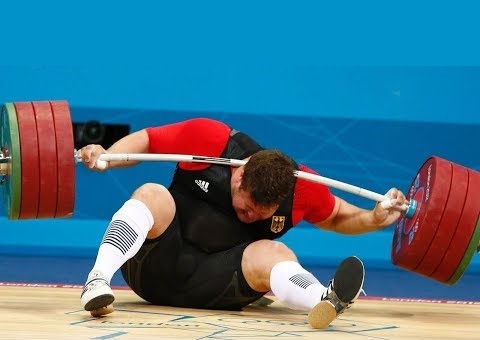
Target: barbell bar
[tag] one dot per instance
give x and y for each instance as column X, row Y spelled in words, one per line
column 436, row 236
column 142, row 157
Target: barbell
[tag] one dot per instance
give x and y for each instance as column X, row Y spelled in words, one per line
column 436, row 236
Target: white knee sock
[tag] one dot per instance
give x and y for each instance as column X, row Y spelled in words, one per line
column 295, row 287
column 124, row 236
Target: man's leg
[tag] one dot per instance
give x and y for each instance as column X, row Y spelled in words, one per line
column 168, row 271
column 269, row 265
column 146, row 215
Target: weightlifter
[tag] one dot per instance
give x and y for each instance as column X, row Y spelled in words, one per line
column 207, row 240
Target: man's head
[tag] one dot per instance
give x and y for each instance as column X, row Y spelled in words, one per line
column 261, row 185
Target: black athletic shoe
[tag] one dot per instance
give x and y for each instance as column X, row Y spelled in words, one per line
column 341, row 292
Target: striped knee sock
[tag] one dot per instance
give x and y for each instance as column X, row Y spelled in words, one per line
column 294, row 286
column 123, row 238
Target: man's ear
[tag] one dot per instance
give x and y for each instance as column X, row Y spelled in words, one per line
column 238, row 175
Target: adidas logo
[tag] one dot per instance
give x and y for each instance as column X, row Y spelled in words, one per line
column 202, row 184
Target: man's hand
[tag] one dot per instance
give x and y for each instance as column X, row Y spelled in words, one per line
column 384, row 217
column 90, row 154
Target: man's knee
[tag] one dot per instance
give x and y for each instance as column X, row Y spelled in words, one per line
column 160, row 203
column 258, row 260
column 149, row 191
column 269, row 251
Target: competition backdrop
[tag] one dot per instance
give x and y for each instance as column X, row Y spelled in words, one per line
column 371, row 127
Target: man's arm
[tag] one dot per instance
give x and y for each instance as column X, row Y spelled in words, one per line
column 136, row 142
column 349, row 219
column 197, row 136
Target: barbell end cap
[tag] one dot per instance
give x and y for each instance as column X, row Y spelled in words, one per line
column 76, row 156
column 412, row 207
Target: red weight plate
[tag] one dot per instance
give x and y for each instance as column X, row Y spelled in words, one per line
column 430, row 190
column 47, row 147
column 27, row 128
column 466, row 227
column 448, row 224
column 65, row 158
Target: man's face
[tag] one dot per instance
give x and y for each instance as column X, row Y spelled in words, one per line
column 243, row 205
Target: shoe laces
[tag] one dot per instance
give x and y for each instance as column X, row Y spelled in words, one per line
column 328, row 291
column 95, row 280
column 96, row 283
column 329, row 294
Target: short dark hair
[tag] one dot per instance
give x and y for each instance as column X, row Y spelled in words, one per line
column 268, row 177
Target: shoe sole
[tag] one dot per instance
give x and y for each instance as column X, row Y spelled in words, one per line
column 350, row 273
column 98, row 302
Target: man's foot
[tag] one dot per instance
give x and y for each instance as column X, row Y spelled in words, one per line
column 341, row 292
column 96, row 293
